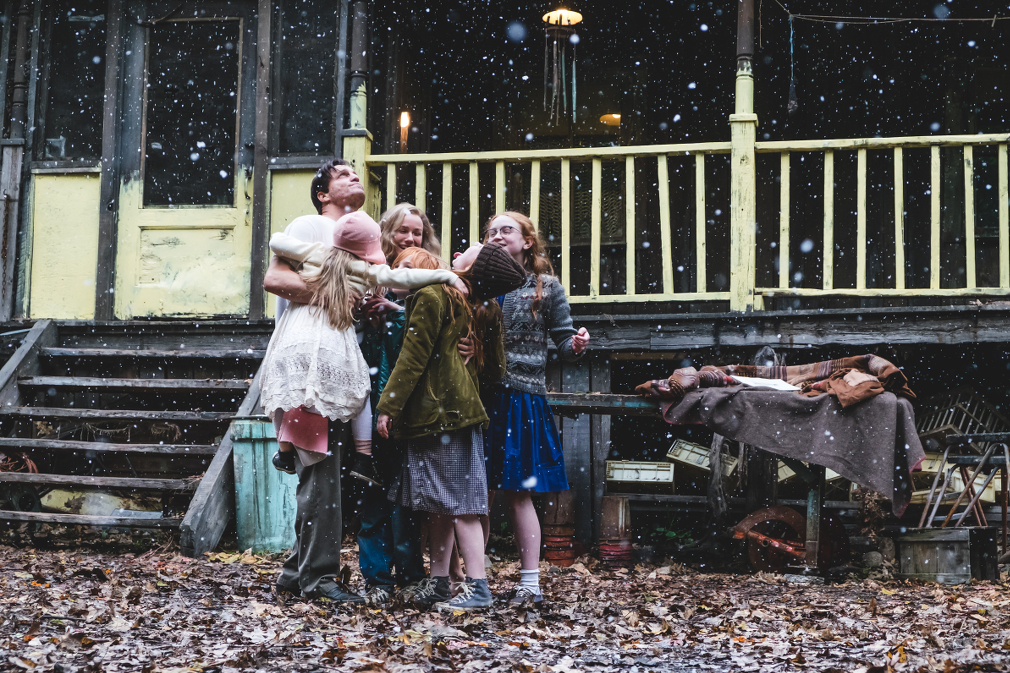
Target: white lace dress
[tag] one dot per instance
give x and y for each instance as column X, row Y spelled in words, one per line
column 310, row 364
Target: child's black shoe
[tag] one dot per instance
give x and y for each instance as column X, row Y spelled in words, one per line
column 285, row 462
column 364, row 469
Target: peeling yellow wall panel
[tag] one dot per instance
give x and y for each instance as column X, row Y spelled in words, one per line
column 289, row 198
column 185, row 261
column 64, row 246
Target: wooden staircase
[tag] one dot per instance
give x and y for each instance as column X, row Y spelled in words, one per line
column 138, row 411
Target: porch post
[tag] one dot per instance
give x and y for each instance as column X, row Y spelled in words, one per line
column 743, row 185
column 357, row 139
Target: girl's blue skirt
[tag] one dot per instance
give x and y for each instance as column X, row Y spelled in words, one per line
column 522, row 448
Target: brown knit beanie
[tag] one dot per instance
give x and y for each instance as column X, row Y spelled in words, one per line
column 494, row 272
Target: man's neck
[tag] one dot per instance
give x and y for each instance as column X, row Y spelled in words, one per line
column 335, row 212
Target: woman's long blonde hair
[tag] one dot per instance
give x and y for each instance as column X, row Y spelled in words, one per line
column 480, row 319
column 331, row 289
column 535, row 259
column 391, row 221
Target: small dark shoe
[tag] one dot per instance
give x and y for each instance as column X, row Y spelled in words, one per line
column 339, row 593
column 473, row 595
column 287, row 592
column 285, row 462
column 364, row 469
column 378, row 596
column 523, row 596
column 429, row 591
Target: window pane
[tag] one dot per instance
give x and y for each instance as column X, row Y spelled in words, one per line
column 308, row 47
column 192, row 103
column 75, row 95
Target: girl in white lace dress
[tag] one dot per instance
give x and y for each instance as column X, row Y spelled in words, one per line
column 313, row 369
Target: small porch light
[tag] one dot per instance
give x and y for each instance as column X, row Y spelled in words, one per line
column 562, row 17
column 611, row 119
column 404, row 119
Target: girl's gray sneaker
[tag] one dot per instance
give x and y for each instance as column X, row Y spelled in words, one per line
column 473, row 595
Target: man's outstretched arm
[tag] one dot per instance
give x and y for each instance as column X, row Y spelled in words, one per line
column 285, row 282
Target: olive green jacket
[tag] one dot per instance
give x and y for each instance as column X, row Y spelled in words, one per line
column 430, row 389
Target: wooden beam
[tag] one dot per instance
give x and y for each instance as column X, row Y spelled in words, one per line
column 153, row 354
column 700, row 251
column 421, row 186
column 474, row 236
column 499, row 187
column 598, row 403
column 27, row 444
column 108, row 212
column 566, row 226
column 665, row 245
column 861, row 219
column 447, row 212
column 261, row 162
column 599, row 434
column 899, row 220
column 25, row 362
column 1004, row 219
column 109, row 384
column 573, row 154
column 84, row 520
column 630, row 231
column 595, row 210
column 535, row 194
column 105, row 482
column 828, row 262
column 934, row 217
column 969, row 217
column 213, row 505
column 118, row 414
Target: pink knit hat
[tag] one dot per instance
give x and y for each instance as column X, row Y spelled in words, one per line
column 359, row 235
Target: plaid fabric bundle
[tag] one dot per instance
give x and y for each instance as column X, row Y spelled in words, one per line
column 831, row 376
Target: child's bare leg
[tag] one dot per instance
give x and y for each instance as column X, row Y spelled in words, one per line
column 455, row 567
column 285, row 447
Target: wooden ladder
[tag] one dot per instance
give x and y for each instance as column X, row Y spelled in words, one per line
column 124, row 415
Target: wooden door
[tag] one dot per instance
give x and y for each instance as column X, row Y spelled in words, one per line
column 185, row 227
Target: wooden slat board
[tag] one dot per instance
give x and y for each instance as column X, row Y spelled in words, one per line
column 597, row 403
column 84, row 520
column 106, row 482
column 247, row 354
column 27, row 444
column 102, row 384
column 118, row 414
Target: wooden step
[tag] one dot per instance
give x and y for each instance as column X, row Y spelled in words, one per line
column 118, row 414
column 152, row 354
column 26, row 444
column 106, row 482
column 106, row 385
column 85, row 520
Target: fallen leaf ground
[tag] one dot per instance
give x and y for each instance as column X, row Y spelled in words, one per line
column 161, row 612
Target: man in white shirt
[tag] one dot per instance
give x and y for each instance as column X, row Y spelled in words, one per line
column 313, row 569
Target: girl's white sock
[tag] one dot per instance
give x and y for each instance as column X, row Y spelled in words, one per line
column 531, row 580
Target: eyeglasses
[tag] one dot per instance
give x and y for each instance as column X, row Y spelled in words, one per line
column 504, row 230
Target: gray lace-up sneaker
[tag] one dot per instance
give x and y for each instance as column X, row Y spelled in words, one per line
column 377, row 596
column 429, row 591
column 473, row 595
column 524, row 596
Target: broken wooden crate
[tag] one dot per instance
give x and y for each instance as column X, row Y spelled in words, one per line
column 632, row 476
column 948, row 555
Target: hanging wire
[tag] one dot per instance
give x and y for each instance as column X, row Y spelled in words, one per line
column 870, row 20
column 794, row 103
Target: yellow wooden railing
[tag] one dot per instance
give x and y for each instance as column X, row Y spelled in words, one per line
column 385, row 168
column 861, row 146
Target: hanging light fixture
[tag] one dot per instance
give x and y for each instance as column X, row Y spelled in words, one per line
column 560, row 33
column 611, row 119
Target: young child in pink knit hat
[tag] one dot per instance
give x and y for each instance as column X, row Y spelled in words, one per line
column 313, row 369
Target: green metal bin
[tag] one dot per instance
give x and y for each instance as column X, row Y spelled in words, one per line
column 264, row 496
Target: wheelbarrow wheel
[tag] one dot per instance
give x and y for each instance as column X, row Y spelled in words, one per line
column 787, row 526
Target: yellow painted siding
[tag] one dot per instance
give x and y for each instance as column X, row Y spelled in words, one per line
column 64, row 246
column 289, row 198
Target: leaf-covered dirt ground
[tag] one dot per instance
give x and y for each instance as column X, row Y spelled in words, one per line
column 89, row 611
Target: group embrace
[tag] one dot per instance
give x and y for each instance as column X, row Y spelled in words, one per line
column 441, row 375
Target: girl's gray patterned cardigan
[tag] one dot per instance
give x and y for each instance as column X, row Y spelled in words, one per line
column 526, row 334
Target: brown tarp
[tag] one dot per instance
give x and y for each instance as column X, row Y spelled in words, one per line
column 873, row 443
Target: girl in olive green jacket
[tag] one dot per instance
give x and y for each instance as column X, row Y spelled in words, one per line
column 432, row 401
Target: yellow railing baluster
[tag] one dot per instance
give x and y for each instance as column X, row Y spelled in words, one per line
column 447, row 211
column 899, row 220
column 664, row 223
column 829, row 220
column 474, row 205
column 499, row 187
column 860, row 219
column 1004, row 219
column 390, row 185
column 630, row 238
column 566, row 225
column 594, row 232
column 784, row 206
column 699, row 222
column 969, row 217
column 934, row 218
column 421, row 187
column 535, row 193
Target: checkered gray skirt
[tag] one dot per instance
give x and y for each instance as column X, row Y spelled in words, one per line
column 443, row 474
